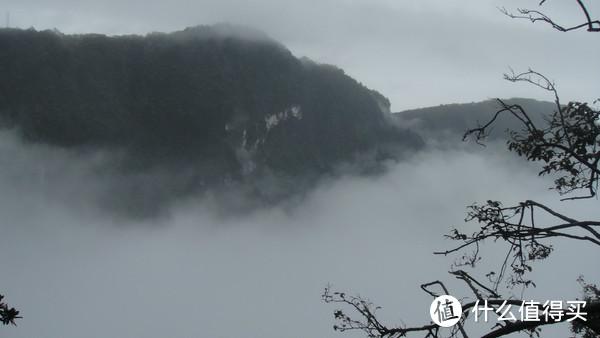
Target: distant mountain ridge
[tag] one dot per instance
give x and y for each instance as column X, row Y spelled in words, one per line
column 447, row 123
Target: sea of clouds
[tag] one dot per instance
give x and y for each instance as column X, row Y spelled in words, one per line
column 74, row 270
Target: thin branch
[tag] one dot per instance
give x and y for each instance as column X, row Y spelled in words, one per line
column 550, row 211
column 460, row 274
column 534, row 16
column 431, row 293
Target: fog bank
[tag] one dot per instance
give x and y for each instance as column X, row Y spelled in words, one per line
column 74, row 272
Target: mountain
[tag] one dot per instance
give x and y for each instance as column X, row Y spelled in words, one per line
column 212, row 105
column 445, row 125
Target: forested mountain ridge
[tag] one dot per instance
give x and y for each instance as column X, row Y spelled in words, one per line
column 225, row 99
column 447, row 123
column 209, row 106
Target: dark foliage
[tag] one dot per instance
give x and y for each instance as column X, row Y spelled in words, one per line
column 8, row 316
column 184, row 96
column 566, row 140
column 591, row 294
column 222, row 104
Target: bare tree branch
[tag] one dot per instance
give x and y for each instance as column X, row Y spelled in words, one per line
column 534, row 16
column 370, row 324
column 523, row 239
column 567, row 142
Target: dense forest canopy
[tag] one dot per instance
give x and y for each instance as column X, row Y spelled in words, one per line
column 223, row 103
column 209, row 106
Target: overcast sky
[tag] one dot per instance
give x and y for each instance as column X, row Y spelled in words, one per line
column 417, row 53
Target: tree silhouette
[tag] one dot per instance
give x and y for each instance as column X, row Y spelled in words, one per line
column 567, row 143
column 535, row 16
column 7, row 316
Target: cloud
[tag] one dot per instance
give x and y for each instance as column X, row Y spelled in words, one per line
column 74, row 272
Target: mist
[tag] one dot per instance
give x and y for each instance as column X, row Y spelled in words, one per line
column 197, row 271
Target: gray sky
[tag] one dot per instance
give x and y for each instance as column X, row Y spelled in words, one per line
column 417, row 53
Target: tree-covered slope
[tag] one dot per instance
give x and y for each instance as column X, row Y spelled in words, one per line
column 176, row 113
column 447, row 123
column 221, row 96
